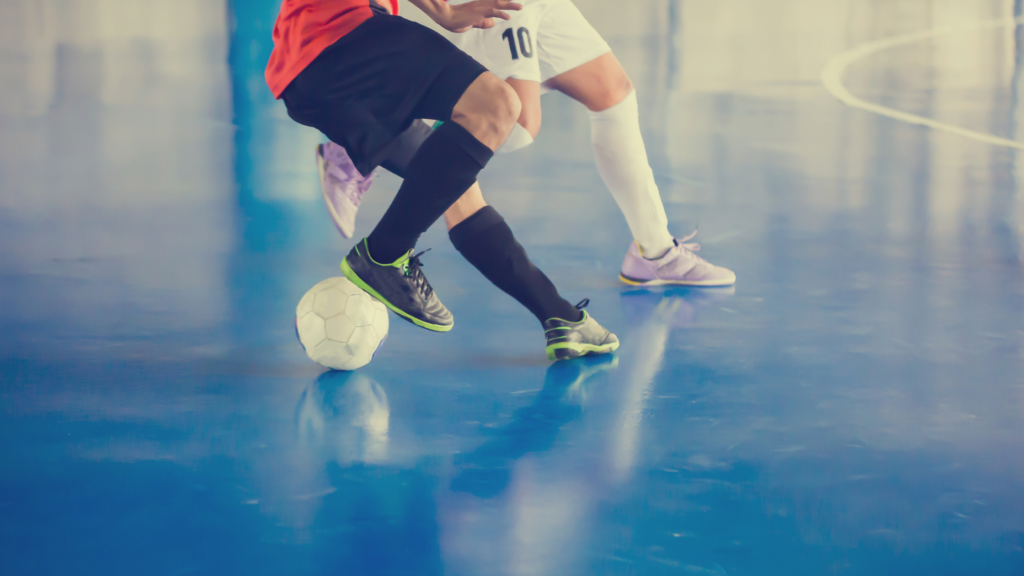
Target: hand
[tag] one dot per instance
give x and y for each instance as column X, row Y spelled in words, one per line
column 477, row 14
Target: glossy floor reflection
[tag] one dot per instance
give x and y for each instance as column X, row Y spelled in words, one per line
column 854, row 406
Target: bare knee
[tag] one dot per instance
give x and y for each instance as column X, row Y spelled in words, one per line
column 488, row 110
column 529, row 96
column 598, row 84
column 610, row 92
column 507, row 107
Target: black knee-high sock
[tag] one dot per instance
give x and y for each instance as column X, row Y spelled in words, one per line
column 445, row 166
column 487, row 242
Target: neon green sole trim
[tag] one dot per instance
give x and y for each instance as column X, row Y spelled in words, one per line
column 351, row 275
column 570, row 350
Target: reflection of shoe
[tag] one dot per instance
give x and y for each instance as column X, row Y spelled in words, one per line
column 678, row 266
column 342, row 186
column 400, row 285
column 567, row 340
column 484, row 472
column 576, row 391
column 676, row 306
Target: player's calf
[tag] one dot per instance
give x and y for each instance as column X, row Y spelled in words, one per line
column 527, row 126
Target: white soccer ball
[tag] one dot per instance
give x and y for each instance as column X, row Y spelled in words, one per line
column 340, row 325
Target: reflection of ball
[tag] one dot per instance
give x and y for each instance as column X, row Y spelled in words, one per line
column 340, row 325
column 345, row 415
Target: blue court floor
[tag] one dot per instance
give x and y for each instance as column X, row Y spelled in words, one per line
column 855, row 406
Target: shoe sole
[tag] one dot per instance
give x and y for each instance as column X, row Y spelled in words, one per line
column 349, row 273
column 570, row 350
column 320, row 161
column 659, row 282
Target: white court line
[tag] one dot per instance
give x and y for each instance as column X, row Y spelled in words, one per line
column 832, row 78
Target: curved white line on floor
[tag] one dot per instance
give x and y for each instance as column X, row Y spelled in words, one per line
column 832, row 78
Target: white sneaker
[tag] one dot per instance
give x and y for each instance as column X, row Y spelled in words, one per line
column 679, row 266
column 342, row 186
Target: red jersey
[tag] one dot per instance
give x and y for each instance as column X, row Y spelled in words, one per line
column 304, row 28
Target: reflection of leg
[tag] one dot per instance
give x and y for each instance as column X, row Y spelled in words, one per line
column 604, row 88
column 648, row 346
column 656, row 313
column 533, row 428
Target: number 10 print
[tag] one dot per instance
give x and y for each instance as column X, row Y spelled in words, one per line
column 525, row 43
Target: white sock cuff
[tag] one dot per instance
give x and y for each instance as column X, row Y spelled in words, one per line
column 517, row 140
column 628, row 107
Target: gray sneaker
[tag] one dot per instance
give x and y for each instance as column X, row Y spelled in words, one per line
column 568, row 340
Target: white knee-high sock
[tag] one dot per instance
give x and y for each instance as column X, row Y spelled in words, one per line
column 622, row 163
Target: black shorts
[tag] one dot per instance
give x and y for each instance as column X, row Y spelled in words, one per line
column 364, row 90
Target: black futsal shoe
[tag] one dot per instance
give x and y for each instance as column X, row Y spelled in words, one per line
column 568, row 340
column 401, row 286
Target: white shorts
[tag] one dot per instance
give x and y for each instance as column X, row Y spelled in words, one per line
column 541, row 41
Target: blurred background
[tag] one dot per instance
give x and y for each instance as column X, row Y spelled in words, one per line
column 855, row 406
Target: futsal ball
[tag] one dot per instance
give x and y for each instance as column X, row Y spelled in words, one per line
column 340, row 325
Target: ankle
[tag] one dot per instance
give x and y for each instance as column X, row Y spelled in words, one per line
column 565, row 315
column 385, row 252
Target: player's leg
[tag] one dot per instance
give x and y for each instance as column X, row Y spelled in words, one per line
column 343, row 186
column 483, row 238
column 528, row 125
column 486, row 241
column 444, row 167
column 576, row 61
column 405, row 68
column 598, row 84
column 604, row 88
column 447, row 163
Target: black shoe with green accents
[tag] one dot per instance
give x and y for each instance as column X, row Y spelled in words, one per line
column 401, row 286
column 568, row 340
